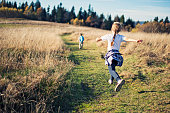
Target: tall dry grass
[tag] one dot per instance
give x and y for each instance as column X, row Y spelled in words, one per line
column 32, row 59
column 153, row 51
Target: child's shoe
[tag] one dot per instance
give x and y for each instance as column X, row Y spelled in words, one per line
column 119, row 85
column 110, row 81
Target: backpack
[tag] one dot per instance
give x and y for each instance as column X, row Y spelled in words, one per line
column 81, row 38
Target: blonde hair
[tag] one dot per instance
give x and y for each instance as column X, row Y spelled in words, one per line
column 116, row 27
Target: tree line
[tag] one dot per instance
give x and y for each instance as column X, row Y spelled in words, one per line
column 59, row 14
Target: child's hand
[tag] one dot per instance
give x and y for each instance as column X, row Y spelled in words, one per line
column 139, row 41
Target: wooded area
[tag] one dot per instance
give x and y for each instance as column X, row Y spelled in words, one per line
column 90, row 18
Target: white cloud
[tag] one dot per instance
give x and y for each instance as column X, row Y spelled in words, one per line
column 144, row 13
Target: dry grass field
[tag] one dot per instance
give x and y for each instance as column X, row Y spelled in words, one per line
column 34, row 61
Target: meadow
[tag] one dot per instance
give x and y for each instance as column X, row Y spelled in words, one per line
column 42, row 70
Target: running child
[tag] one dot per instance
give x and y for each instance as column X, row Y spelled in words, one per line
column 113, row 58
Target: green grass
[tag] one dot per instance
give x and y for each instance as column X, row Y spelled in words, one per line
column 86, row 87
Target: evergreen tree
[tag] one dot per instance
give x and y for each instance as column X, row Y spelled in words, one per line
column 108, row 23
column 60, row 13
column 67, row 17
column 85, row 16
column 43, row 14
column 117, row 19
column 9, row 4
column 161, row 20
column 89, row 10
column 130, row 22
column 53, row 14
column 156, row 19
column 80, row 14
column 15, row 5
column 166, row 20
column 37, row 5
column 101, row 20
column 137, row 22
column 23, row 7
column 33, row 6
column 48, row 13
column 3, row 3
column 72, row 13
column 122, row 19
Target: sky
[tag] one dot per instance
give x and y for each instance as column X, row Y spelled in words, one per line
column 142, row 10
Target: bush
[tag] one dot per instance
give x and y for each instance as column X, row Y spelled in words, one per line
column 153, row 27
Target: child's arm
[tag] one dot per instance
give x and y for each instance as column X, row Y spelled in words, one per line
column 98, row 39
column 132, row 40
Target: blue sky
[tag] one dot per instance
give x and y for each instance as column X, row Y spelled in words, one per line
column 141, row 10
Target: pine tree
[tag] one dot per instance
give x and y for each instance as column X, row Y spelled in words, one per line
column 33, row 6
column 3, row 3
column 116, row 19
column 138, row 22
column 80, row 16
column 43, row 14
column 66, row 17
column 72, row 13
column 60, row 13
column 15, row 5
column 130, row 22
column 85, row 16
column 101, row 20
column 122, row 19
column 48, row 13
column 108, row 23
column 89, row 10
column 156, row 19
column 26, row 4
column 161, row 20
column 53, row 14
column 10, row 4
column 37, row 5
column 23, row 7
column 166, row 20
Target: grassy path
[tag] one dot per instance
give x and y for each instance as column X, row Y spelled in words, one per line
column 87, row 90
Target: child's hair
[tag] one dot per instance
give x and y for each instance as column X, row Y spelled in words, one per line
column 116, row 27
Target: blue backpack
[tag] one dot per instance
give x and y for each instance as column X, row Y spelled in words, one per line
column 81, row 38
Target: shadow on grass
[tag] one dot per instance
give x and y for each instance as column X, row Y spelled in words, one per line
column 71, row 43
column 73, row 58
column 153, row 91
column 140, row 76
column 72, row 95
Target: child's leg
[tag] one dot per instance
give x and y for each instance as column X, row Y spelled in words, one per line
column 79, row 45
column 82, row 45
column 113, row 73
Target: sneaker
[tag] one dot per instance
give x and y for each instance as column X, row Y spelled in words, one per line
column 119, row 85
column 110, row 81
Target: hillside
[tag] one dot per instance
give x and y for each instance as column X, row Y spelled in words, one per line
column 82, row 84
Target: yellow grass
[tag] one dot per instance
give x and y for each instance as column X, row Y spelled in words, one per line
column 31, row 56
column 36, row 38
